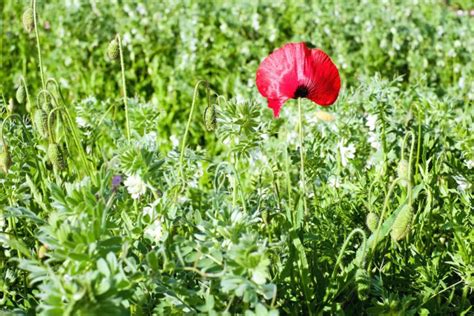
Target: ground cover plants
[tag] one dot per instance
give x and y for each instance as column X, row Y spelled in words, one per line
column 142, row 173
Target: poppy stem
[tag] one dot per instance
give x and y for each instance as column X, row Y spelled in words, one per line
column 188, row 124
column 302, row 173
column 124, row 87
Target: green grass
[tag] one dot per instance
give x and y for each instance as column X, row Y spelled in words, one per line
column 179, row 216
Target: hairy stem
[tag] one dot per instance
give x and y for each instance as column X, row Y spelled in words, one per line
column 124, row 87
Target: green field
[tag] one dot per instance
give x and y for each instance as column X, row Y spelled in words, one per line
column 142, row 173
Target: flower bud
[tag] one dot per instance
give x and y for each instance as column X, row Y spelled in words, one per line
column 20, row 94
column 56, row 156
column 402, row 172
column 40, row 119
column 113, row 49
column 28, row 20
column 5, row 160
column 210, row 118
column 401, row 225
column 372, row 221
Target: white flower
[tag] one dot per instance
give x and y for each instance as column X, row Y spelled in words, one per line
column 81, row 121
column 148, row 141
column 2, row 222
column 154, row 231
column 255, row 22
column 461, row 83
column 148, row 210
column 347, row 152
column 174, row 141
column 463, row 183
column 135, row 186
column 141, row 9
column 470, row 164
column 371, row 121
column 374, row 141
column 334, row 181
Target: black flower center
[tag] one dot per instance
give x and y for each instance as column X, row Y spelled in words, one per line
column 301, row 92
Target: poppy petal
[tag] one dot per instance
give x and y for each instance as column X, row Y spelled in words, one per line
column 325, row 80
column 277, row 75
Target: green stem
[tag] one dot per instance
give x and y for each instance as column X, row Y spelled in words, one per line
column 382, row 215
column 186, row 131
column 344, row 246
column 124, row 87
column 72, row 127
column 302, row 172
column 38, row 46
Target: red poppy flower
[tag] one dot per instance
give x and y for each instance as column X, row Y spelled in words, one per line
column 295, row 71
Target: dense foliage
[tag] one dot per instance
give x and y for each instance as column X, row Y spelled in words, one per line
column 184, row 196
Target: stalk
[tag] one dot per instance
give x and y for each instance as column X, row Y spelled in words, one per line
column 302, row 172
column 186, row 131
column 124, row 87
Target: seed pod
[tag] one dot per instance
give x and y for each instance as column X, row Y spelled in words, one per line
column 402, row 172
column 40, row 119
column 210, row 118
column 362, row 280
column 401, row 225
column 372, row 221
column 28, row 20
column 5, row 160
column 113, row 49
column 55, row 155
column 20, row 94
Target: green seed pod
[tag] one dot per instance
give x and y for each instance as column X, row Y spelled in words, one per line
column 40, row 119
column 5, row 160
column 113, row 49
column 28, row 20
column 372, row 221
column 402, row 171
column 362, row 280
column 210, row 118
column 401, row 225
column 55, row 155
column 20, row 94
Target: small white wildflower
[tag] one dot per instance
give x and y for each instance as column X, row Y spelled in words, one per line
column 347, row 152
column 255, row 22
column 193, row 183
column 461, row 83
column 154, row 231
column 470, row 164
column 141, row 9
column 148, row 141
column 2, row 221
column 127, row 39
column 292, row 137
column 81, row 121
column 334, row 182
column 135, row 186
column 148, row 210
column 174, row 141
column 374, row 141
column 463, row 183
column 371, row 121
column 239, row 99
